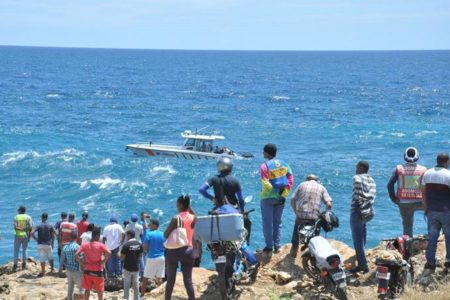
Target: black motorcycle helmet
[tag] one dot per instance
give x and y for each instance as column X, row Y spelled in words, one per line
column 329, row 220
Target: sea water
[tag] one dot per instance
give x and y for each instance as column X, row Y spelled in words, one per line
column 67, row 114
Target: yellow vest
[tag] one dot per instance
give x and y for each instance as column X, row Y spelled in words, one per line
column 22, row 224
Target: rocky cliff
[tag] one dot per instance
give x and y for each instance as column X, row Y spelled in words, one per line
column 280, row 277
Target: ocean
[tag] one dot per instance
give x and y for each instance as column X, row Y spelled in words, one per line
column 67, row 114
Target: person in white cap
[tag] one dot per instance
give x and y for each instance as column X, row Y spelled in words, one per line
column 408, row 197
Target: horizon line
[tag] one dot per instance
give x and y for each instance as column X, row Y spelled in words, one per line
column 223, row 50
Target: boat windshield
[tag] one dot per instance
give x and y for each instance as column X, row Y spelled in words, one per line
column 189, row 144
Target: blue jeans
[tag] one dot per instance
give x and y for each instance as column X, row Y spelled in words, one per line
column 114, row 265
column 437, row 220
column 142, row 265
column 185, row 255
column 271, row 212
column 359, row 236
column 20, row 241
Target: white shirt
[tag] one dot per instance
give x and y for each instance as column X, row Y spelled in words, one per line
column 113, row 234
column 86, row 237
column 137, row 228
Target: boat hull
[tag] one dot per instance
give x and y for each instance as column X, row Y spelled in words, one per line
column 173, row 152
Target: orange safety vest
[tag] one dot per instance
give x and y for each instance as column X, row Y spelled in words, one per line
column 409, row 181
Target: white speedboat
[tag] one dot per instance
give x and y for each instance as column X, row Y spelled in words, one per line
column 195, row 146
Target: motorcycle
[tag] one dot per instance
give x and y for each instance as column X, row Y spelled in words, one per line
column 394, row 272
column 232, row 264
column 321, row 261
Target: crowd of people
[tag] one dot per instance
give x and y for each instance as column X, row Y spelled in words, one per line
column 139, row 251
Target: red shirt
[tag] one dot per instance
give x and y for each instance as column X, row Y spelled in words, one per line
column 65, row 230
column 82, row 228
column 93, row 253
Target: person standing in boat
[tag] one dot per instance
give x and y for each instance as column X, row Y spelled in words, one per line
column 277, row 180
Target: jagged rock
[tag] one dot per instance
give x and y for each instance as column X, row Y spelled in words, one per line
column 282, row 278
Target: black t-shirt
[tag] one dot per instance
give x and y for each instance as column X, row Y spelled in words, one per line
column 132, row 250
column 230, row 186
column 44, row 233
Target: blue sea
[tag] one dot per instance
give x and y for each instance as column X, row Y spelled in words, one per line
column 67, row 114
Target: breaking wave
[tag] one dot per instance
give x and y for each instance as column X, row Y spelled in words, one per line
column 17, row 156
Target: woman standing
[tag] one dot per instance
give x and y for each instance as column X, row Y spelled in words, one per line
column 184, row 254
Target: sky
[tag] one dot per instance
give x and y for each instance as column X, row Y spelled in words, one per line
column 228, row 24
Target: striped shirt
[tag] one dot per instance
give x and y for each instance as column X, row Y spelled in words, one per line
column 364, row 192
column 310, row 194
column 68, row 256
column 437, row 183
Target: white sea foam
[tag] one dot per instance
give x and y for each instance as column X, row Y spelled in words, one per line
column 16, row 156
column 248, row 199
column 164, row 169
column 106, row 162
column 398, row 134
column 102, row 183
column 297, row 109
column 280, row 98
column 53, row 96
column 66, row 154
column 137, row 184
column 426, row 132
column 158, row 212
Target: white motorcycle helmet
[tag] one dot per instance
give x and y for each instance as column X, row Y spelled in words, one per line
column 224, row 164
column 411, row 155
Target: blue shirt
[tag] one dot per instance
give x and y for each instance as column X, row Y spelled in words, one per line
column 44, row 233
column 68, row 256
column 155, row 242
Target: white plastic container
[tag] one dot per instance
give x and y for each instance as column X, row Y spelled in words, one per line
column 224, row 228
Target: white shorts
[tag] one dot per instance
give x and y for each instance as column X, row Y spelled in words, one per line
column 45, row 252
column 155, row 268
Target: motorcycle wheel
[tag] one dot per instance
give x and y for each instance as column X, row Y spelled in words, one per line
column 341, row 293
column 226, row 282
column 308, row 263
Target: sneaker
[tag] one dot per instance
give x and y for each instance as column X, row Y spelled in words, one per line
column 428, row 270
column 294, row 252
column 276, row 249
column 265, row 250
column 24, row 266
column 447, row 268
column 14, row 269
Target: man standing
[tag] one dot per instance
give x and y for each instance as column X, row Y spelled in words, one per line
column 73, row 273
column 131, row 255
column 96, row 255
column 154, row 247
column 277, row 181
column 58, row 232
column 306, row 205
column 436, row 198
column 138, row 230
column 409, row 193
column 45, row 237
column 113, row 236
column 82, row 225
column 227, row 188
column 364, row 193
column 22, row 228
column 65, row 232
